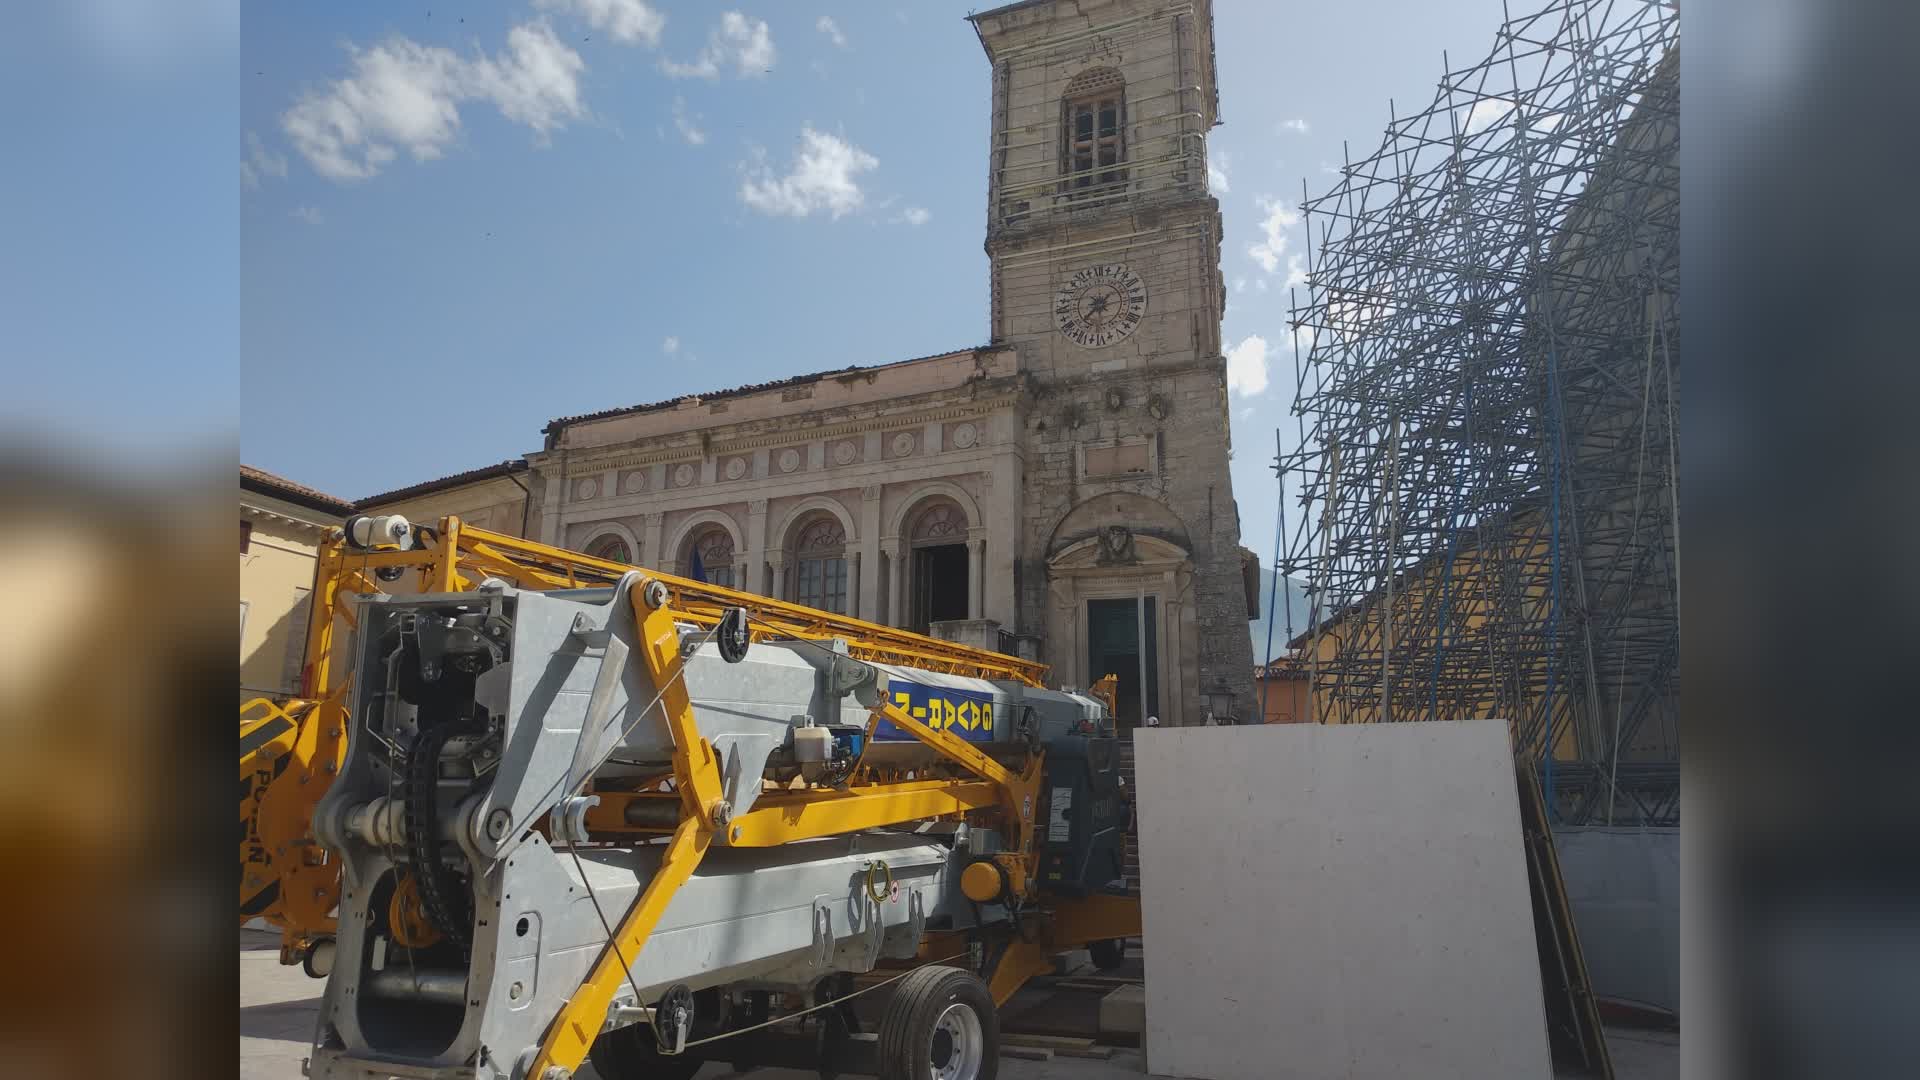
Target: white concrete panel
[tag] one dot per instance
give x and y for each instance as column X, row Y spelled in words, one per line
column 1346, row 901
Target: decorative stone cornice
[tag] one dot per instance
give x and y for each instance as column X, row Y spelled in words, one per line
column 584, row 463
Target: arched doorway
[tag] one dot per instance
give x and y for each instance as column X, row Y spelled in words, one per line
column 709, row 557
column 613, row 548
column 940, row 584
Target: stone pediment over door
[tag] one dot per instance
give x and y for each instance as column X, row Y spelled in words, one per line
column 1118, row 550
column 1117, row 563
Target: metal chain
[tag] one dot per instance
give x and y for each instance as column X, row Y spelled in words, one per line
column 439, row 896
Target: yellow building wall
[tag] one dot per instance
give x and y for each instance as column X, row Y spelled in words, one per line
column 495, row 505
column 276, row 576
column 1282, row 700
column 1414, row 595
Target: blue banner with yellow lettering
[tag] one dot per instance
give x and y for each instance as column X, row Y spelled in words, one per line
column 966, row 713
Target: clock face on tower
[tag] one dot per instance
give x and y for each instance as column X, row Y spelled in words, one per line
column 1100, row 305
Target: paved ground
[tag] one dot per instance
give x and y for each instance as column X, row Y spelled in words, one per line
column 278, row 1005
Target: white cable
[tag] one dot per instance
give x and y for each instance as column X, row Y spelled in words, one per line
column 784, row 1017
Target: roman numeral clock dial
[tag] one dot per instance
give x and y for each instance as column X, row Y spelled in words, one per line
column 1100, row 306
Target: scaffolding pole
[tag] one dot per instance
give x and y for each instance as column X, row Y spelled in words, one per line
column 1488, row 479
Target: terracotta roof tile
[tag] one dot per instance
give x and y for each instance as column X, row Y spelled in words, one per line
column 269, row 484
column 486, row 472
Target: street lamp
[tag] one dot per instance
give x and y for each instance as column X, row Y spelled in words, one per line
column 1220, row 704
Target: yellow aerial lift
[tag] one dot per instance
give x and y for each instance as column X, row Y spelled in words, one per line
column 534, row 806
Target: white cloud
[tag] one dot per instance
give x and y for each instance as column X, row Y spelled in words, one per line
column 406, row 96
column 1296, row 125
column 670, row 346
column 822, row 178
column 1296, row 271
column 630, row 22
column 1273, row 229
column 1259, row 284
column 1246, row 413
column 827, row 26
column 308, row 214
column 1485, row 113
column 1247, row 366
column 917, row 215
column 1350, row 313
column 539, row 84
column 1239, row 284
column 260, row 162
column 689, row 130
column 1303, row 338
column 1217, row 165
column 744, row 43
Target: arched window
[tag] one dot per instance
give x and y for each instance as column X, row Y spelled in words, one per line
column 709, row 557
column 1093, row 138
column 613, row 549
column 941, row 523
column 820, row 567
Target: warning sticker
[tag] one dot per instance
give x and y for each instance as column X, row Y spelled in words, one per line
column 1060, row 815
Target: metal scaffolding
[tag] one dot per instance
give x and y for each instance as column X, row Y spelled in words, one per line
column 1487, row 365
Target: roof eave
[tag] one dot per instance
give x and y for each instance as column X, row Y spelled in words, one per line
column 445, row 483
column 556, row 425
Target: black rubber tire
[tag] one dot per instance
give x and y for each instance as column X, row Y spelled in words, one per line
column 907, row 1028
column 308, row 962
column 1108, row 954
column 628, row 1053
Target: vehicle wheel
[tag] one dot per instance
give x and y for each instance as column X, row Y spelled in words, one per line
column 1108, row 954
column 317, row 961
column 940, row 1025
column 629, row 1053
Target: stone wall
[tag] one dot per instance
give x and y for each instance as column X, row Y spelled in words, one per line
column 868, row 448
column 1025, row 434
column 496, row 504
column 1190, row 480
column 1144, row 416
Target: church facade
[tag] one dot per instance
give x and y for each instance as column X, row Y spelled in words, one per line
column 1062, row 491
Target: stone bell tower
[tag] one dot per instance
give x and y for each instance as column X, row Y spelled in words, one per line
column 1105, row 252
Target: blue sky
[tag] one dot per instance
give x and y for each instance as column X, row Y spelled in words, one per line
column 119, row 290
column 457, row 222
